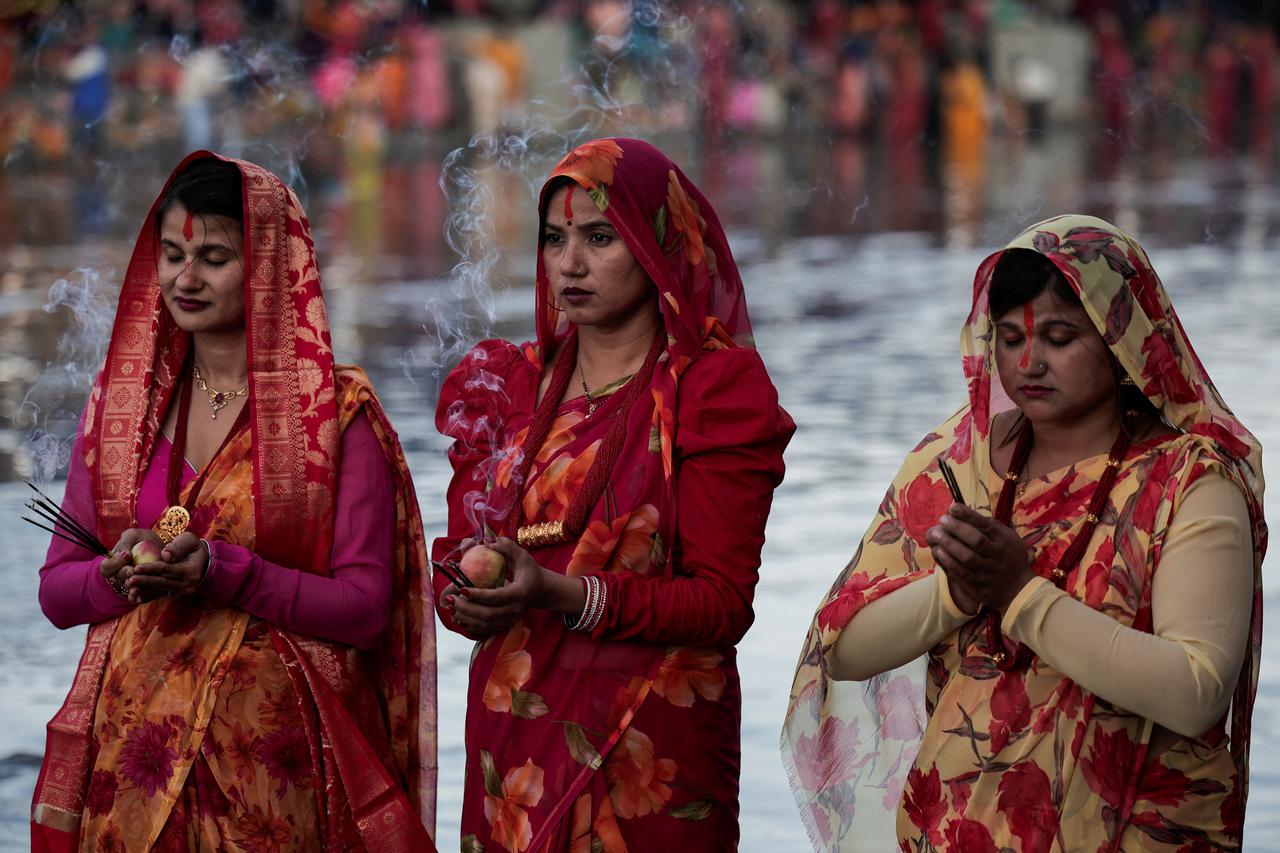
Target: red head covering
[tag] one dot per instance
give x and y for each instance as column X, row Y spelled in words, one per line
column 673, row 232
column 295, row 436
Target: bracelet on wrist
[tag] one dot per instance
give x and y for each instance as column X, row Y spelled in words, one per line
column 595, row 594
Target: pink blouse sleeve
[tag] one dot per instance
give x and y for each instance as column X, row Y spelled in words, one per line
column 72, row 590
column 351, row 606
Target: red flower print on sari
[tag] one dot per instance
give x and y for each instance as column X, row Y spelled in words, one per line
column 1111, row 761
column 1166, row 786
column 924, row 804
column 1152, row 493
column 1010, row 709
column 685, row 671
column 110, row 841
column 590, row 164
column 261, row 831
column 1027, row 802
column 920, row 505
column 853, row 597
column 626, row 545
column 287, row 758
column 1232, row 812
column 179, row 616
column 969, row 836
column 185, row 660
column 242, row 749
column 684, row 217
column 147, row 759
column 505, row 802
column 102, row 792
column 1163, row 373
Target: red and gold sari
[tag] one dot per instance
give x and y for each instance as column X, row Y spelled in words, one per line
column 971, row 756
column 193, row 726
column 625, row 737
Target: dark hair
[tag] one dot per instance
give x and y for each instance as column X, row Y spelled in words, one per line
column 1020, row 276
column 553, row 186
column 208, row 187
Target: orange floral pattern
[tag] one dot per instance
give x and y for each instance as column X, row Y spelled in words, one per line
column 590, row 164
column 506, row 802
column 684, row 218
column 630, row 544
column 685, row 672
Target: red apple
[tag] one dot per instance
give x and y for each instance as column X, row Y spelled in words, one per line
column 144, row 552
column 484, row 567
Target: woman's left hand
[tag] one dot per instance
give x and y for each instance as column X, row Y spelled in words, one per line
column 490, row 611
column 987, row 558
column 181, row 569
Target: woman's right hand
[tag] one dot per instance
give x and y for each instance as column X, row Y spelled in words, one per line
column 118, row 567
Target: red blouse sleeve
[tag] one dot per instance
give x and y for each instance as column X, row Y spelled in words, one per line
column 473, row 402
column 730, row 435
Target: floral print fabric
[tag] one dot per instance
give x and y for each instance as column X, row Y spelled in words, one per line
column 140, row 725
column 963, row 756
column 578, row 742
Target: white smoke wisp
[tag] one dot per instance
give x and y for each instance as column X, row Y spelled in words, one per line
column 660, row 51
column 51, row 410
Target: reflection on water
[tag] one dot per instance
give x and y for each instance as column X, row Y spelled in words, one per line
column 858, row 264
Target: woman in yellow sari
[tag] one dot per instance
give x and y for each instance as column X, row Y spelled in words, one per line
column 1090, row 612
column 261, row 680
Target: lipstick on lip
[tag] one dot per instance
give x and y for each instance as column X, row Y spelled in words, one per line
column 190, row 304
column 1035, row 391
column 575, row 295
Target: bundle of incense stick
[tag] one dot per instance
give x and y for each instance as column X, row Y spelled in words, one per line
column 949, row 476
column 452, row 573
column 64, row 525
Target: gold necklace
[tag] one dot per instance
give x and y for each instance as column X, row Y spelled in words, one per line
column 217, row 399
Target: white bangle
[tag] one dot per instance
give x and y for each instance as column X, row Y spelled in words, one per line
column 594, row 592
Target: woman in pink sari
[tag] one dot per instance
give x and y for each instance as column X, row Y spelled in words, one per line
column 632, row 450
column 263, row 679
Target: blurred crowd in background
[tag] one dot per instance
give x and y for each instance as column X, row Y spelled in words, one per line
column 100, row 76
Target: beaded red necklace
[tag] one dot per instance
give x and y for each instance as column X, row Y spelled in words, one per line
column 1008, row 654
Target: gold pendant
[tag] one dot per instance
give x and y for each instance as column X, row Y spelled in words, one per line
column 173, row 522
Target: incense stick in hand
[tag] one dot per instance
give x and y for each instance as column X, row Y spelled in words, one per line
column 949, row 476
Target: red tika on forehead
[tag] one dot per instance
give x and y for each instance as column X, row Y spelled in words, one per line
column 1029, row 325
column 568, row 204
column 187, row 231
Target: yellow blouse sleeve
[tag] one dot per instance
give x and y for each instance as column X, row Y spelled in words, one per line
column 1180, row 676
column 897, row 629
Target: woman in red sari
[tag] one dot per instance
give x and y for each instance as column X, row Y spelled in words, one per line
column 266, row 681
column 632, row 450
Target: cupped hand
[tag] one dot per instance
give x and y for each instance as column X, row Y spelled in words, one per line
column 483, row 612
column 118, row 567
column 180, row 570
column 986, row 562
